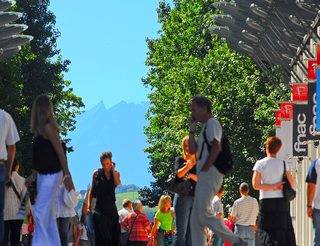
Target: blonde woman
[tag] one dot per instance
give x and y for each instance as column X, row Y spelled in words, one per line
column 50, row 166
column 162, row 228
column 185, row 169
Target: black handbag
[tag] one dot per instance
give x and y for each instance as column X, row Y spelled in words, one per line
column 288, row 192
column 177, row 185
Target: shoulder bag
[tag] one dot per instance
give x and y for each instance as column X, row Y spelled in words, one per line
column 288, row 192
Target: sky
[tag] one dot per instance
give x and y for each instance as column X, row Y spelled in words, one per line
column 105, row 41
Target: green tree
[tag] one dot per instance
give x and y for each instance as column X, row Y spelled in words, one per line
column 37, row 69
column 187, row 60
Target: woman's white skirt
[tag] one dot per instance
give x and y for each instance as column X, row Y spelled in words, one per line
column 45, row 210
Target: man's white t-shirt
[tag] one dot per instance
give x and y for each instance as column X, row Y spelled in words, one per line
column 213, row 131
column 271, row 170
column 217, row 206
column 8, row 133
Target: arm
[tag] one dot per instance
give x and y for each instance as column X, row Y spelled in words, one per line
column 77, row 234
column 213, row 154
column 181, row 172
column 193, row 146
column 90, row 190
column 290, row 178
column 53, row 136
column 154, row 228
column 116, row 177
column 257, row 185
column 11, row 155
column 311, row 188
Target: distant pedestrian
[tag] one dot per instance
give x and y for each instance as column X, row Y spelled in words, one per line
column 66, row 203
column 209, row 178
column 105, row 216
column 84, row 233
column 163, row 226
column 16, row 204
column 244, row 214
column 275, row 223
column 74, row 231
column 137, row 225
column 87, row 211
column 217, row 207
column 185, row 169
column 50, row 165
column 127, row 209
column 8, row 138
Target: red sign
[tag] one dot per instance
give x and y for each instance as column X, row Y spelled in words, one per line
column 299, row 92
column 278, row 116
column 311, row 69
column 318, row 53
column 286, row 110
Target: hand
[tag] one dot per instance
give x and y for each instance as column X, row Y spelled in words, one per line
column 190, row 163
column 309, row 212
column 279, row 186
column 68, row 183
column 254, row 227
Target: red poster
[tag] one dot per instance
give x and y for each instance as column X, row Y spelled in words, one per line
column 299, row 92
column 286, row 110
column 311, row 69
column 278, row 116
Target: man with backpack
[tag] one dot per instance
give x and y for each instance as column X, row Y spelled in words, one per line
column 209, row 148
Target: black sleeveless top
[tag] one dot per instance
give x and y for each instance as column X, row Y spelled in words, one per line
column 179, row 163
column 45, row 158
column 103, row 190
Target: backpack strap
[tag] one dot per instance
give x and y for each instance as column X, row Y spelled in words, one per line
column 204, row 142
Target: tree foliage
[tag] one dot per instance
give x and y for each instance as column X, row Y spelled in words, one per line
column 37, row 69
column 187, row 60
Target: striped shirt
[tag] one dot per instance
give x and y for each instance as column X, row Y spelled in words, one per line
column 138, row 232
column 246, row 210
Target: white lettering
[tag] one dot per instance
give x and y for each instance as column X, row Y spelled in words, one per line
column 312, row 127
column 301, row 129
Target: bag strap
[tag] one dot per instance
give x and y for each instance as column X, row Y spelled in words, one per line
column 132, row 227
column 15, row 190
column 284, row 168
column 204, row 142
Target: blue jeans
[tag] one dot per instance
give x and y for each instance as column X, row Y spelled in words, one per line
column 316, row 226
column 90, row 225
column 63, row 227
column 246, row 233
column 182, row 209
column 3, row 176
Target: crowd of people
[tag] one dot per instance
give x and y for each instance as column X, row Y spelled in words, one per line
column 195, row 217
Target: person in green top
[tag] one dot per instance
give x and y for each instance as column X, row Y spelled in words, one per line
column 162, row 228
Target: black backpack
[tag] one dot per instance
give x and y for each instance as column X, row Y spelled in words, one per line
column 224, row 162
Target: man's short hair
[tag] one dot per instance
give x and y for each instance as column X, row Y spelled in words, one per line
column 273, row 144
column 126, row 202
column 136, row 204
column 244, row 187
column 106, row 155
column 203, row 102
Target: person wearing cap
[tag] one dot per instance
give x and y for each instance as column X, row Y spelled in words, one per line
column 127, row 209
column 8, row 138
column 244, row 214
